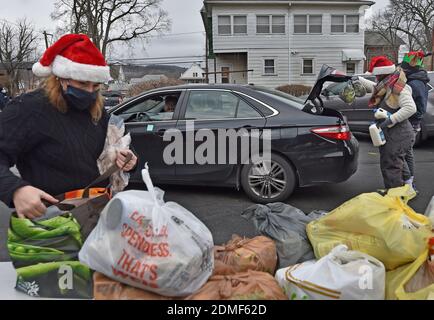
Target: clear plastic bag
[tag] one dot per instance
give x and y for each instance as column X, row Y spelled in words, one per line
column 348, row 94
column 115, row 140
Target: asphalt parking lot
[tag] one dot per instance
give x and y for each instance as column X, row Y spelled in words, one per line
column 220, row 209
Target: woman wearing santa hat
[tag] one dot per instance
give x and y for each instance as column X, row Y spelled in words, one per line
column 54, row 135
column 392, row 94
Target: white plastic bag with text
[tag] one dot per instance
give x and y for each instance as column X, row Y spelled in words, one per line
column 150, row 244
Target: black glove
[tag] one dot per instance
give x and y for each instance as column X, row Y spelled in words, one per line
column 386, row 123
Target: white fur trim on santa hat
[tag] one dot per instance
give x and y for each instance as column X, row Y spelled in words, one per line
column 384, row 70
column 41, row 71
column 68, row 69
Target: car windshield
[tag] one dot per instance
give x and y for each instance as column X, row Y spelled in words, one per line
column 281, row 96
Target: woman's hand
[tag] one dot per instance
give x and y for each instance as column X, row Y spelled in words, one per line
column 28, row 202
column 121, row 159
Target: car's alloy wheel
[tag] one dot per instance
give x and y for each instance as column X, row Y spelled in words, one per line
column 268, row 181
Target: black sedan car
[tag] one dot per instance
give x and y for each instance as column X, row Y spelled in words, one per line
column 360, row 116
column 309, row 146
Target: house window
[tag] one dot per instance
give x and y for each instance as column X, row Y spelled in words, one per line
column 315, row 24
column 351, row 68
column 352, row 24
column 225, row 74
column 308, row 24
column 278, row 24
column 195, row 74
column 269, row 66
column 338, row 24
column 300, row 24
column 307, row 66
column 345, row 24
column 270, row 24
column 240, row 24
column 262, row 24
column 224, row 25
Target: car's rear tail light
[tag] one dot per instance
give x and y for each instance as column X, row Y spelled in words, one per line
column 334, row 132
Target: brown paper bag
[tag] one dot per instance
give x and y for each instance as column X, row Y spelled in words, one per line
column 250, row 285
column 107, row 289
column 242, row 254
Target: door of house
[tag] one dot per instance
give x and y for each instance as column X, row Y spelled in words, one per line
column 226, row 75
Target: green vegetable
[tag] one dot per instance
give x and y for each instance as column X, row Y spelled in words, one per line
column 25, row 228
column 55, row 227
column 20, row 250
column 28, row 253
column 12, row 236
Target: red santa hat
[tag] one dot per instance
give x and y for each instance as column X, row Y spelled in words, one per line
column 381, row 65
column 75, row 57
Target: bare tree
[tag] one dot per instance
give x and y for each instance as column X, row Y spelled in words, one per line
column 410, row 20
column 385, row 23
column 109, row 21
column 420, row 15
column 18, row 44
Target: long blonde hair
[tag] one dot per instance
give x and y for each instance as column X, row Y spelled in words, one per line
column 53, row 90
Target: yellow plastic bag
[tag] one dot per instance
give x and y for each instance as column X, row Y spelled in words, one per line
column 383, row 226
column 396, row 281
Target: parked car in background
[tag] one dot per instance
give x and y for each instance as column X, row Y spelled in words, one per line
column 112, row 98
column 308, row 147
column 360, row 116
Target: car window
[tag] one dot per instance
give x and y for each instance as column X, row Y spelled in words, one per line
column 159, row 107
column 246, row 111
column 213, row 104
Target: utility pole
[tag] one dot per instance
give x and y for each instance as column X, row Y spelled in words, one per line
column 206, row 56
column 432, row 49
column 46, row 38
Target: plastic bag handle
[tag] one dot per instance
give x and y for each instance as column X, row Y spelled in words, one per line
column 158, row 219
column 147, row 180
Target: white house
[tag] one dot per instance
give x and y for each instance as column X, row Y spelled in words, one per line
column 194, row 74
column 271, row 43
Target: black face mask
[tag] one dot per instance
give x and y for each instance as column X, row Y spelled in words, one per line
column 79, row 99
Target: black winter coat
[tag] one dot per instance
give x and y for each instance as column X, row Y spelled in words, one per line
column 417, row 79
column 53, row 151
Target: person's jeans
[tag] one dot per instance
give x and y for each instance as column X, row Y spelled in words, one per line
column 409, row 157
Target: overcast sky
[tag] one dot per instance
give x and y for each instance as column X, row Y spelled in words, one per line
column 183, row 13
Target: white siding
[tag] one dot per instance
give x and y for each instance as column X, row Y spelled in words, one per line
column 251, row 40
column 256, row 62
column 325, row 48
column 288, row 49
column 326, row 39
column 331, row 57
